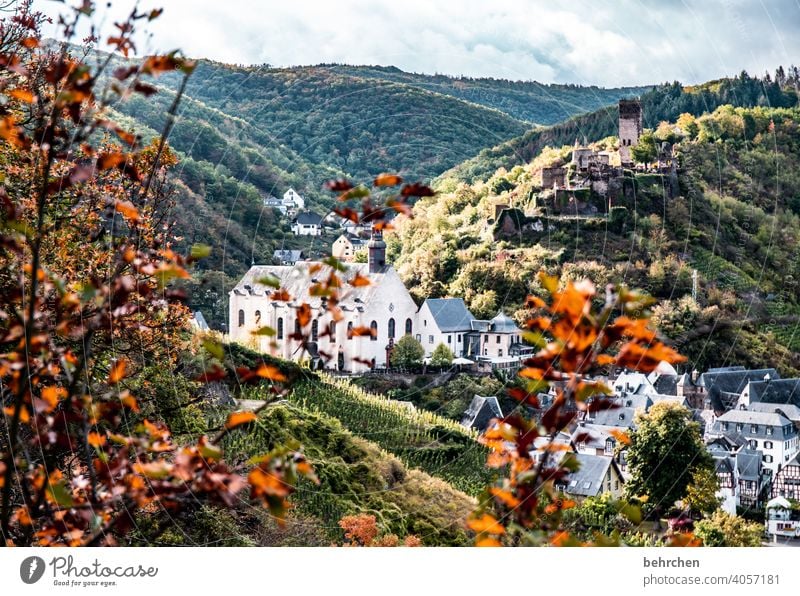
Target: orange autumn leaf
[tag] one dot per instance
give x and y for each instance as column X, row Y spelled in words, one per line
column 387, row 180
column 24, row 416
column 117, row 372
column 267, row 371
column 127, row 210
column 504, row 496
column 360, row 281
column 486, row 524
column 52, row 395
column 620, row 436
column 22, row 95
column 488, row 542
column 96, row 439
column 239, row 418
column 304, row 314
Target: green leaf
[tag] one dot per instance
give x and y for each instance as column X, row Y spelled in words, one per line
column 60, row 495
column 335, row 264
column 269, row 280
column 269, row 331
column 215, row 349
column 534, row 338
column 200, row 251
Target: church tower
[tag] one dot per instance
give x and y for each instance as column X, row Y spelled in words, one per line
column 377, row 252
column 630, row 128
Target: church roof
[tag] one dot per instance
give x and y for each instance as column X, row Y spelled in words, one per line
column 776, row 391
column 481, row 411
column 298, row 279
column 725, row 385
column 450, row 314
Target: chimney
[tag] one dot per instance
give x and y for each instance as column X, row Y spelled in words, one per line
column 377, row 252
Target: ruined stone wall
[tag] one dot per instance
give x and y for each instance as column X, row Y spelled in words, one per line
column 630, row 127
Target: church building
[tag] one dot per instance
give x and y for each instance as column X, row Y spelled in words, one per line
column 384, row 306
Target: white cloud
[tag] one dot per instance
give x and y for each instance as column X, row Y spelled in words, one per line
column 606, row 42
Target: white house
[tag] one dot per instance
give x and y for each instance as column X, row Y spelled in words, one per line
column 292, row 201
column 344, row 247
column 444, row 321
column 782, row 519
column 385, row 306
column 307, row 223
column 769, row 432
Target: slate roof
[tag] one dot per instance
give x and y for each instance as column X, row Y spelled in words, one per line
column 291, row 256
column 481, row 411
column 502, row 323
column 636, row 401
column 200, row 321
column 791, row 411
column 297, row 280
column 308, row 218
column 667, row 384
column 725, row 385
column 587, row 481
column 776, row 391
column 450, row 314
column 592, row 436
column 753, row 417
column 618, row 417
column 748, row 462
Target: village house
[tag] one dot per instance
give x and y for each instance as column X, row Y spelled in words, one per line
column 307, row 223
column 742, row 477
column 787, row 482
column 293, row 202
column 481, row 411
column 721, row 388
column 385, row 306
column 596, row 475
column 287, row 257
column 444, row 321
column 771, row 433
column 783, row 520
column 496, row 340
column 345, row 247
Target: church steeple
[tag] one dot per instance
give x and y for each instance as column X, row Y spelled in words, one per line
column 377, row 252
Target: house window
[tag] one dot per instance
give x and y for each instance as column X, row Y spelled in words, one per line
column 609, row 447
column 449, row 338
column 280, row 328
column 409, row 326
column 767, row 444
column 425, row 322
column 753, row 444
column 486, row 339
column 499, row 353
column 498, row 339
column 297, row 330
column 767, row 459
column 587, row 484
column 430, row 339
column 724, row 426
column 616, row 485
column 419, row 338
column 458, row 338
column 753, row 428
column 374, row 330
column 314, row 330
column 350, row 330
column 258, row 317
column 739, row 427
column 241, row 318
column 391, row 328
column 769, row 431
column 332, row 331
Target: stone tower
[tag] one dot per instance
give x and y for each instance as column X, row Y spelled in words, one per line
column 630, row 127
column 376, row 252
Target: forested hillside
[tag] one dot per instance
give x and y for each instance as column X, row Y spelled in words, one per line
column 735, row 218
column 665, row 102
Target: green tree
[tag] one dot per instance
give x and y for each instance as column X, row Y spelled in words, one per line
column 724, row 529
column 407, row 352
column 665, row 453
column 645, row 151
column 701, row 493
column 442, row 356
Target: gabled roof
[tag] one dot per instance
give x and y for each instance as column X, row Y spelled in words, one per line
column 592, row 436
column 776, row 391
column 666, row 384
column 615, row 417
column 297, row 280
column 450, row 314
column 308, row 218
column 481, row 411
column 748, row 462
column 588, row 480
column 791, row 411
column 199, row 321
column 725, row 385
column 754, row 417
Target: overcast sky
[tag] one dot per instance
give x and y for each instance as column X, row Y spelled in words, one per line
column 602, row 42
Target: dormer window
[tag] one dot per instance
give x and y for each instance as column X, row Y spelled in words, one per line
column 769, row 431
column 753, row 428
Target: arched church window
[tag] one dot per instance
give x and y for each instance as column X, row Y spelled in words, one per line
column 280, row 328
column 391, row 328
column 314, row 330
column 241, row 318
column 409, row 326
column 374, row 328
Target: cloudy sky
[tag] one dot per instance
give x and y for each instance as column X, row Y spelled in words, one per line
column 602, row 42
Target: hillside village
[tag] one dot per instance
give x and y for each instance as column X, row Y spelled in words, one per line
column 750, row 419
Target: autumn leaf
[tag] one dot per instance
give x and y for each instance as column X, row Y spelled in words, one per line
column 22, row 95
column 359, row 281
column 96, row 439
column 52, row 395
column 239, row 418
column 620, row 436
column 267, row 371
column 127, row 210
column 117, row 372
column 340, row 185
column 304, row 314
column 486, row 524
column 24, row 416
column 488, row 542
column 387, row 180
